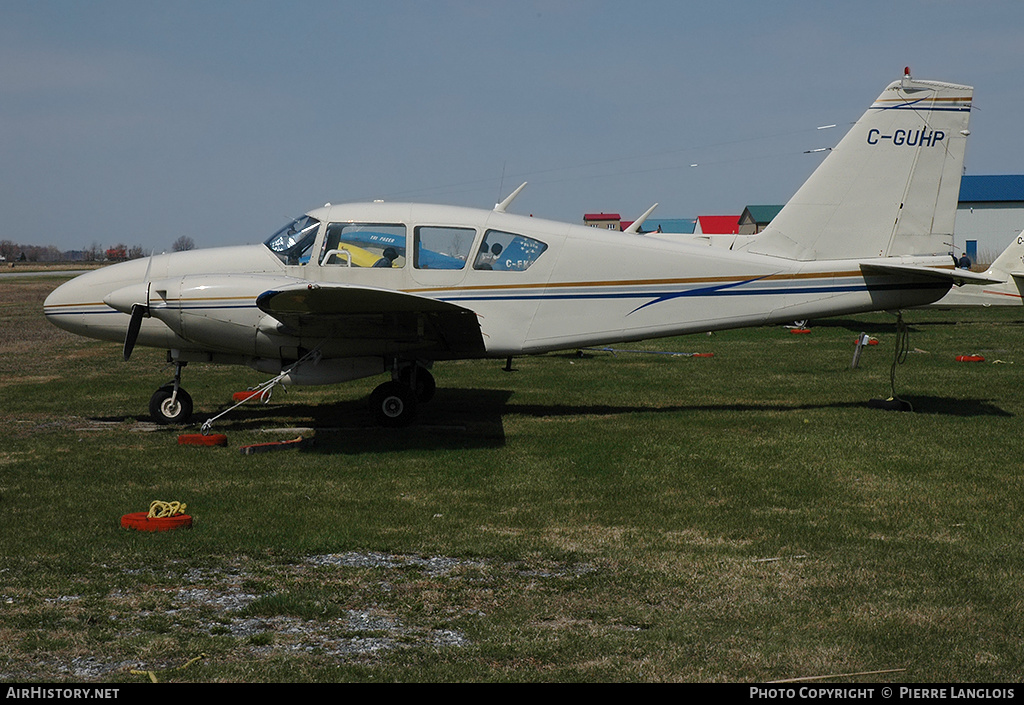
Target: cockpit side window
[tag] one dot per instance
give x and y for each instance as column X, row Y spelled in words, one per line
column 508, row 252
column 364, row 245
column 292, row 243
column 439, row 247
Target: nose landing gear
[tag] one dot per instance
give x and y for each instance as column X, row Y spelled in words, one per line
column 171, row 404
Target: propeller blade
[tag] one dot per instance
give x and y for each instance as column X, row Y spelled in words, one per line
column 139, row 311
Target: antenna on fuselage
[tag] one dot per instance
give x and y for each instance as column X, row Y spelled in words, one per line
column 634, row 227
column 500, row 207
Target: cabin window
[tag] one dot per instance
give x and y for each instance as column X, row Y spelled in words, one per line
column 364, row 245
column 293, row 242
column 508, row 252
column 443, row 247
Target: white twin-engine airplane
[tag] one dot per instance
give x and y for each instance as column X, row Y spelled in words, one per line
column 349, row 291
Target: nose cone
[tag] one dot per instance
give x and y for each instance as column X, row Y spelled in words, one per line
column 75, row 305
column 56, row 298
column 78, row 306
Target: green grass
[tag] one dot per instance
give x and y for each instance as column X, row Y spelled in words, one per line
column 604, row 517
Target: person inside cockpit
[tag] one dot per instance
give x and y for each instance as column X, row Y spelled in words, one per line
column 487, row 258
column 388, row 260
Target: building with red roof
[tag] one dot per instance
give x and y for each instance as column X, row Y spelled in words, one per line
column 608, row 221
column 717, row 225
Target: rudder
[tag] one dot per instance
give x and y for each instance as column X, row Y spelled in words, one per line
column 889, row 188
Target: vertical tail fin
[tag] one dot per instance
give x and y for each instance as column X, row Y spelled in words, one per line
column 890, row 187
column 1010, row 260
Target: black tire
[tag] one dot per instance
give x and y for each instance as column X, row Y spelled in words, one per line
column 425, row 384
column 393, row 404
column 162, row 411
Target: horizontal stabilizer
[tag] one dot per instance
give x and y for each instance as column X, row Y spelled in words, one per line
column 955, row 276
column 1016, row 284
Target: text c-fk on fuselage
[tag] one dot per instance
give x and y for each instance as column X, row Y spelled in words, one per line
column 354, row 290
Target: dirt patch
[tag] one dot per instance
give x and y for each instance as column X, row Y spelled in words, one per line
column 346, row 607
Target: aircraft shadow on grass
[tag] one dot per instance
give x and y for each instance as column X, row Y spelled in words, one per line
column 889, row 327
column 459, row 419
column 944, row 406
column 951, row 406
column 474, row 418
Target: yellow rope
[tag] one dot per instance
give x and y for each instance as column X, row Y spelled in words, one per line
column 160, row 510
column 152, row 674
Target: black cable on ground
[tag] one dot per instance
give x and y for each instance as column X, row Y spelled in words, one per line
column 902, row 347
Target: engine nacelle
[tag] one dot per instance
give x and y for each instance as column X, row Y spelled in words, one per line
column 219, row 312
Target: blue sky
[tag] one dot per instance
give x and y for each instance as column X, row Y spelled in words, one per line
column 139, row 122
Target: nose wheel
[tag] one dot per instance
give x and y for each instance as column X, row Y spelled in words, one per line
column 169, row 407
column 171, row 404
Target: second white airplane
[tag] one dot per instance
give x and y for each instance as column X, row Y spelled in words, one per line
column 1005, row 289
column 355, row 290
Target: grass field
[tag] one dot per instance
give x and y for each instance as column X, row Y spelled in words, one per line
column 604, row 517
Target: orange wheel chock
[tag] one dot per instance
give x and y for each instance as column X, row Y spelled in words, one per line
column 141, row 521
column 198, row 439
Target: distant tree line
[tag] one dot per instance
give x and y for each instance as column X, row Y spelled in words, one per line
column 16, row 252
column 13, row 252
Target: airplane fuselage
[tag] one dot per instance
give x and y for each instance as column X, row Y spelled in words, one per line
column 586, row 287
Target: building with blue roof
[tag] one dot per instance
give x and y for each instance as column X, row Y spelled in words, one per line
column 670, row 225
column 990, row 215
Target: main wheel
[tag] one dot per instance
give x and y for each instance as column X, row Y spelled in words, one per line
column 393, row 404
column 163, row 411
column 425, row 385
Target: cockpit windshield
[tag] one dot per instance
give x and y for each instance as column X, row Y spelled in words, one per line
column 293, row 242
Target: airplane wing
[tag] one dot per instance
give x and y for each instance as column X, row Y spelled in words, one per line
column 955, row 276
column 392, row 318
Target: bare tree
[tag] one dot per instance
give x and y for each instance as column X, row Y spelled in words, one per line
column 183, row 243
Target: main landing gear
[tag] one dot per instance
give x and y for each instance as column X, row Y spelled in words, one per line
column 394, row 403
column 171, row 404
